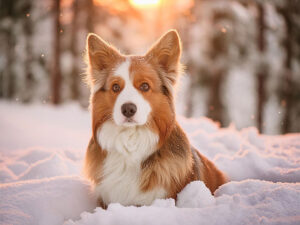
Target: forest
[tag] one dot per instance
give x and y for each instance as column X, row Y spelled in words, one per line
column 242, row 58
column 237, row 104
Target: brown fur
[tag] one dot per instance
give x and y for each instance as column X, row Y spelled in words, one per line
column 93, row 161
column 170, row 166
column 175, row 163
column 162, row 116
column 102, row 103
column 210, row 174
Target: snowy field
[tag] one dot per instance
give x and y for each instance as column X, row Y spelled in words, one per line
column 41, row 152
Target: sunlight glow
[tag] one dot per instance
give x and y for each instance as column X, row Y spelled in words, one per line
column 144, row 3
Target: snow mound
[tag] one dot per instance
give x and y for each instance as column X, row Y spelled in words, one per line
column 53, row 166
column 195, row 195
column 6, row 175
column 246, row 202
column 45, row 201
column 32, row 156
column 17, row 167
column 165, row 203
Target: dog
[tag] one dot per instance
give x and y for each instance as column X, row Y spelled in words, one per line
column 138, row 152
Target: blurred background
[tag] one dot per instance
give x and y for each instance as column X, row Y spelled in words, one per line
column 242, row 57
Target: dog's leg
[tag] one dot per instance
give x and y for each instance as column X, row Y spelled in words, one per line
column 210, row 174
column 101, row 204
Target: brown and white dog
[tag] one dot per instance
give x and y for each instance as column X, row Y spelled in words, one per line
column 138, row 152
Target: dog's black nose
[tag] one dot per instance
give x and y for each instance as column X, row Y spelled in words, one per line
column 128, row 109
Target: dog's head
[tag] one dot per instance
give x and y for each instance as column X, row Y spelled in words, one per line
column 134, row 90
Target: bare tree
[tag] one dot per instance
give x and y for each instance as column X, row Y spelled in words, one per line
column 287, row 96
column 29, row 78
column 56, row 70
column 90, row 15
column 10, row 73
column 262, row 72
column 215, row 106
column 288, row 74
column 290, row 85
column 8, row 77
column 75, row 70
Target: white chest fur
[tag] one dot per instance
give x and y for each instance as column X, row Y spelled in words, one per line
column 127, row 147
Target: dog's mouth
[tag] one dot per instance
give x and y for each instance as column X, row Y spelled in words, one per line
column 129, row 122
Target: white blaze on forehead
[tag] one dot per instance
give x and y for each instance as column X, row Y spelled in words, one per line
column 130, row 94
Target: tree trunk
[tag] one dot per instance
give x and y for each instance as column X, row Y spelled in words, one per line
column 288, row 97
column 261, row 76
column 215, row 109
column 56, row 72
column 7, row 76
column 90, row 15
column 29, row 79
column 10, row 75
column 1, row 83
column 74, row 32
column 190, row 97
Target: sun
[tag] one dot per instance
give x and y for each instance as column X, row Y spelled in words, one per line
column 145, row 3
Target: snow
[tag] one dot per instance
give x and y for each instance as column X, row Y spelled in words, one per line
column 41, row 152
column 53, row 166
column 45, row 201
column 246, row 202
column 195, row 195
column 36, row 126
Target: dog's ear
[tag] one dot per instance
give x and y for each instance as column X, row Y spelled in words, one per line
column 100, row 57
column 165, row 54
column 100, row 53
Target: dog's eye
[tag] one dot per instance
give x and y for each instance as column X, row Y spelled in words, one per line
column 144, row 87
column 116, row 88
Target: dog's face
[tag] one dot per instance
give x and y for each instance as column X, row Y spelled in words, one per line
column 132, row 87
column 133, row 90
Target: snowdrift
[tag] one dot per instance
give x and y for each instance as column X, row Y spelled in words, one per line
column 42, row 184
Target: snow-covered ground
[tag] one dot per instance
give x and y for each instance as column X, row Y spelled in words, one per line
column 41, row 152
